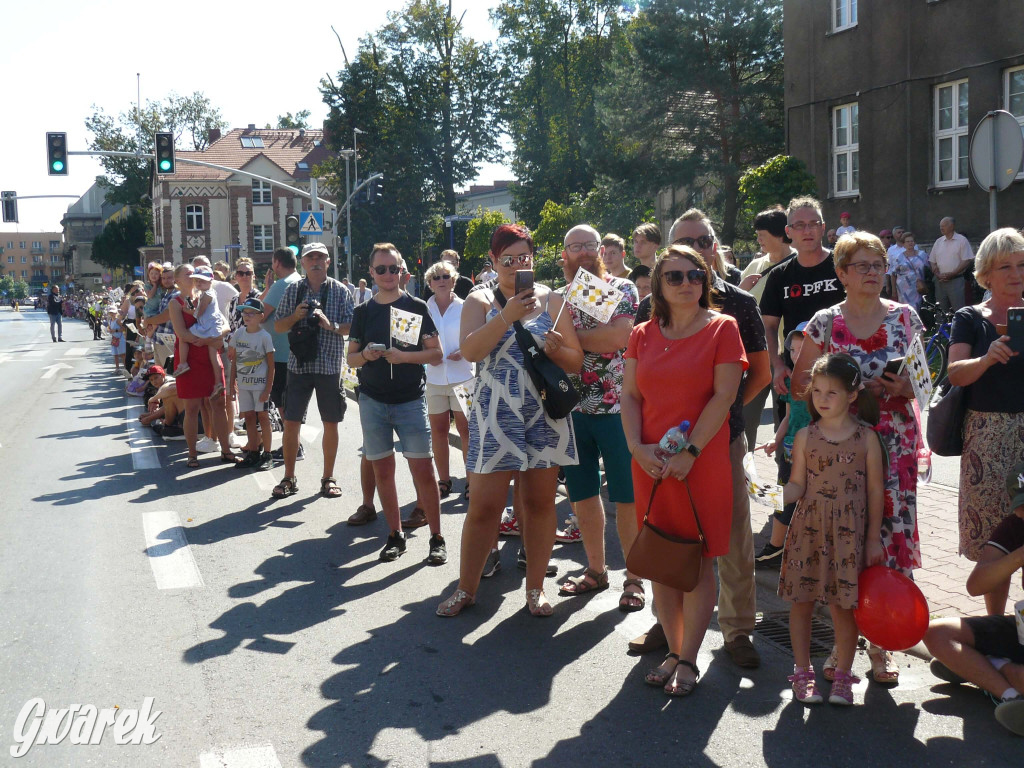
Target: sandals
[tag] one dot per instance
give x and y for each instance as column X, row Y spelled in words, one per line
column 884, row 669
column 465, row 494
column 805, row 689
column 329, row 488
column 445, row 487
column 453, row 605
column 842, row 688
column 193, row 462
column 287, row 487
column 659, row 677
column 588, row 581
column 676, row 687
column 632, row 601
column 227, row 457
column 538, row 603
column 829, row 670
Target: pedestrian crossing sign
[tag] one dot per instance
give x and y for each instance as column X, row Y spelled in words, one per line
column 311, row 223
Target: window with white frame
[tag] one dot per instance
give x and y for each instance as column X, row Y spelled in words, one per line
column 55, row 273
column 1013, row 98
column 194, row 218
column 844, row 14
column 24, row 259
column 263, row 237
column 261, row 192
column 846, row 150
column 10, row 259
column 952, row 141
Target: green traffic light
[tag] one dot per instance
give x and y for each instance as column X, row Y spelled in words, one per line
column 294, row 249
column 165, row 165
column 58, row 166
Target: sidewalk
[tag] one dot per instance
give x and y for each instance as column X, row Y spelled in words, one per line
column 943, row 577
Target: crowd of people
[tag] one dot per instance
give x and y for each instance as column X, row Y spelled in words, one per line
column 693, row 347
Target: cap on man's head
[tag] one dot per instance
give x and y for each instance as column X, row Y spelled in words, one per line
column 885, row 233
column 1015, row 486
column 844, row 215
column 315, row 248
column 167, row 267
column 202, row 273
column 154, row 370
column 252, row 304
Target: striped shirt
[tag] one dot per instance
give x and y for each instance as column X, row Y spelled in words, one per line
column 338, row 308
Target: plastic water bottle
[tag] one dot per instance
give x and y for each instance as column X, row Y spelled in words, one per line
column 672, row 442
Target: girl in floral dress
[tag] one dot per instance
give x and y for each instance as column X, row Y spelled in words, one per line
column 835, row 531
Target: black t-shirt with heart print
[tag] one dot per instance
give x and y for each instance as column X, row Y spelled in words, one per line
column 795, row 292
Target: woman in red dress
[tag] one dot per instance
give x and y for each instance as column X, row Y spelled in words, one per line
column 685, row 364
column 198, row 383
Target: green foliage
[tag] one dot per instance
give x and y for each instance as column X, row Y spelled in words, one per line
column 555, row 220
column 15, row 289
column 557, row 52
column 117, row 245
column 774, row 182
column 696, row 97
column 189, row 118
column 289, row 121
column 478, row 239
column 425, row 97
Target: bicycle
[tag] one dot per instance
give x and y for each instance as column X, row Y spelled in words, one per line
column 936, row 348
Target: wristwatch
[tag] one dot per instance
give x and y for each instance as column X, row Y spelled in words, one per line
column 335, row 327
column 692, row 449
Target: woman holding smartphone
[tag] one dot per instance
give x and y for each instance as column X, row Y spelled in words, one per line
column 874, row 331
column 509, row 432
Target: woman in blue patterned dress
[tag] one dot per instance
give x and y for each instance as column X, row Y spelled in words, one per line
column 509, row 432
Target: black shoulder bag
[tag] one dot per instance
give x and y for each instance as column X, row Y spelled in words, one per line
column 304, row 336
column 557, row 394
column 948, row 408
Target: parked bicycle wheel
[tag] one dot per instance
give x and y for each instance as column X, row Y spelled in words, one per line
column 936, row 354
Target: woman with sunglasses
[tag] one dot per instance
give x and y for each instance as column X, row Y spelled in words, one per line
column 874, row 331
column 509, row 432
column 683, row 365
column 442, row 377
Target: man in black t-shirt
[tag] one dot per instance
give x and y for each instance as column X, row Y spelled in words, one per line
column 989, row 650
column 798, row 288
column 391, row 339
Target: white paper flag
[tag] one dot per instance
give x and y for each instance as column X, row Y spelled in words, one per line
column 590, row 294
column 405, row 326
column 920, row 376
column 465, row 397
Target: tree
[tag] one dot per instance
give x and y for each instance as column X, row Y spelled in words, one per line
column 478, row 238
column 189, row 118
column 710, row 75
column 116, row 247
column 296, row 121
column 557, row 52
column 774, row 182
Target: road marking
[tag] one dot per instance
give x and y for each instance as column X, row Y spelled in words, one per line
column 140, row 442
column 262, row 756
column 32, row 353
column 77, row 352
column 309, row 434
column 51, row 371
column 169, row 554
column 265, row 480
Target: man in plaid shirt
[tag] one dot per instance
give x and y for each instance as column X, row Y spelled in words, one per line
column 322, row 373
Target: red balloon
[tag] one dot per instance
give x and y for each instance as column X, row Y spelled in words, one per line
column 891, row 610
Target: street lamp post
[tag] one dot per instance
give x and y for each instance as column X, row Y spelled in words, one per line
column 347, row 153
column 355, row 152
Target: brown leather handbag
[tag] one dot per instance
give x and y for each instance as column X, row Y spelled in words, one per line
column 665, row 558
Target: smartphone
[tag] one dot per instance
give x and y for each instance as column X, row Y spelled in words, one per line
column 377, row 347
column 1015, row 328
column 524, row 280
column 894, row 366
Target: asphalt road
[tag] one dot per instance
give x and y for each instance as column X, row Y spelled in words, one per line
column 267, row 633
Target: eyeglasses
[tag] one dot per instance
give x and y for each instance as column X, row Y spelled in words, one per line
column 441, row 277
column 523, row 258
column 243, row 273
column 590, row 245
column 801, row 226
column 677, row 276
column 380, row 269
column 703, row 242
column 864, row 267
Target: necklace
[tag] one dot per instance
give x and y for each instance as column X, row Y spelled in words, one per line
column 682, row 331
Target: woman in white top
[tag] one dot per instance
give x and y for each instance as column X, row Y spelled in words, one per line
column 446, row 312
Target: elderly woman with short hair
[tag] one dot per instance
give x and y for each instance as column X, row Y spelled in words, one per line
column 981, row 359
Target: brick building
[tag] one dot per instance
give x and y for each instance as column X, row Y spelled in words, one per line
column 36, row 258
column 202, row 211
column 882, row 97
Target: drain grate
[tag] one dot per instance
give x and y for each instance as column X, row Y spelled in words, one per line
column 774, row 627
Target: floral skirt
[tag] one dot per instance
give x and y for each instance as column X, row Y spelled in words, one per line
column 993, row 444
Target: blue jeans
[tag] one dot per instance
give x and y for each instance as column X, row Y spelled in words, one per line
column 60, row 328
column 380, row 422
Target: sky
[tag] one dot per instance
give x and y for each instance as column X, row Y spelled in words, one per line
column 253, row 60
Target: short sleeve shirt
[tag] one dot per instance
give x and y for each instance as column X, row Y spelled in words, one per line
column 599, row 382
column 1008, row 536
column 379, row 379
column 273, row 298
column 794, row 292
column 997, row 390
column 337, row 305
column 251, row 357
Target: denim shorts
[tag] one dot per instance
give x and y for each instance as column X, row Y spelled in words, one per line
column 381, row 421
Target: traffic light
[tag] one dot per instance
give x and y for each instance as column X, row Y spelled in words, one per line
column 164, row 152
column 292, row 238
column 57, row 154
column 10, row 206
column 375, row 190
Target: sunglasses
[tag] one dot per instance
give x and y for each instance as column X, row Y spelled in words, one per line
column 380, row 269
column 523, row 258
column 703, row 242
column 441, row 277
column 243, row 273
column 677, row 276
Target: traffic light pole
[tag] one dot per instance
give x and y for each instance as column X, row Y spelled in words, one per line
column 347, row 205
